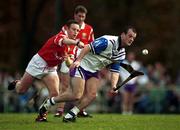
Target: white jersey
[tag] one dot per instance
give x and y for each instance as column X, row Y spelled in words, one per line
column 107, row 46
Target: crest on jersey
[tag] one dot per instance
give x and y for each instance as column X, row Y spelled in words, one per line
column 84, row 35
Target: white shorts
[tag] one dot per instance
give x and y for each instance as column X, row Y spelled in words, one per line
column 64, row 68
column 38, row 68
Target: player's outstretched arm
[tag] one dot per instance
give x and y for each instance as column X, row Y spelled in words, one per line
column 73, row 42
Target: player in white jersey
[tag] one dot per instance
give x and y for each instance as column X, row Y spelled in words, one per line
column 85, row 35
column 94, row 57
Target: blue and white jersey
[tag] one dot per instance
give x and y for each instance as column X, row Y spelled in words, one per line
column 107, row 46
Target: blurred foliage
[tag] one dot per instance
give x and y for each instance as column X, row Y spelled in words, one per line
column 27, row 24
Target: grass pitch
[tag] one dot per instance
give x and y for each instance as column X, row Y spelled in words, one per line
column 98, row 122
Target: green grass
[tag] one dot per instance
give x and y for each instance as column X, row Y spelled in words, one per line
column 98, row 122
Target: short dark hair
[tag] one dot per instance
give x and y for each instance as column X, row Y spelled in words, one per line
column 126, row 28
column 80, row 8
column 71, row 21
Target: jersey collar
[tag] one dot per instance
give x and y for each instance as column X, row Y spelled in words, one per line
column 83, row 26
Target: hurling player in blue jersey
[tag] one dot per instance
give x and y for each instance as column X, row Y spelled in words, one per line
column 84, row 70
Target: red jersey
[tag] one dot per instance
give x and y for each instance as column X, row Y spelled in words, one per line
column 54, row 51
column 86, row 34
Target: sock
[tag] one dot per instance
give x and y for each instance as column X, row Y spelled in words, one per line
column 50, row 102
column 73, row 112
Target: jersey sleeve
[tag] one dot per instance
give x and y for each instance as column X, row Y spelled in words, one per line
column 115, row 67
column 59, row 38
column 98, row 45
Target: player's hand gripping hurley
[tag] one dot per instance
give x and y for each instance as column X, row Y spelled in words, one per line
column 129, row 68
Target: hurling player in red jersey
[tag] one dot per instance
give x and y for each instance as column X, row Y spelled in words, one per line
column 43, row 65
column 86, row 35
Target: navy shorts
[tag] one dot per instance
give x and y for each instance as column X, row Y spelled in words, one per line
column 82, row 73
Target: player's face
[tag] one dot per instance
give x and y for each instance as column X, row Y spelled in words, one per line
column 80, row 17
column 129, row 37
column 73, row 31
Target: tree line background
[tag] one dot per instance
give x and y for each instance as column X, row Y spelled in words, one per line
column 26, row 24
